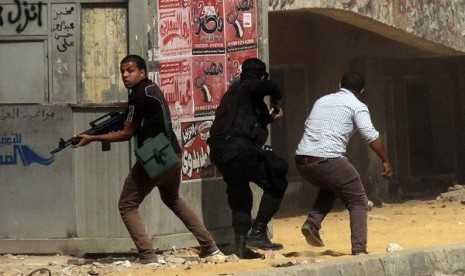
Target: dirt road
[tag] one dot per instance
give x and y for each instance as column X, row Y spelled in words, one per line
column 411, row 225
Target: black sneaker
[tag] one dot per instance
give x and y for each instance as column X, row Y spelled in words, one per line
column 312, row 234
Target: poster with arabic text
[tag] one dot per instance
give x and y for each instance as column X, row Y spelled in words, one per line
column 176, row 83
column 209, row 79
column 234, row 61
column 241, row 25
column 208, row 27
column 174, row 28
column 195, row 151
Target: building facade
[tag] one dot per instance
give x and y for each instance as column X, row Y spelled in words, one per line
column 60, row 71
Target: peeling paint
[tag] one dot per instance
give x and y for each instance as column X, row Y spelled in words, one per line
column 62, row 67
column 103, row 53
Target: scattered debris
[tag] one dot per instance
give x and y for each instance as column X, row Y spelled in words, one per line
column 391, row 247
column 290, row 263
column 454, row 193
column 375, row 217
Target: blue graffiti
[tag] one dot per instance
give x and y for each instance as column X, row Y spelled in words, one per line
column 25, row 153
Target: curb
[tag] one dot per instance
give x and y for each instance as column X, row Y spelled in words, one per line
column 429, row 261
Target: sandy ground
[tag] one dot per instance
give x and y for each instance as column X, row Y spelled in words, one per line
column 412, row 224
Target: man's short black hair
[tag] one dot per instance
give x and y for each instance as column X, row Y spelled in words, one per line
column 138, row 60
column 253, row 68
column 353, row 81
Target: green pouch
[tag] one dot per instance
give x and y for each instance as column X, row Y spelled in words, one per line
column 157, row 156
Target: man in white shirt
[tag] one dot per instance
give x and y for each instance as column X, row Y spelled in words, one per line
column 320, row 159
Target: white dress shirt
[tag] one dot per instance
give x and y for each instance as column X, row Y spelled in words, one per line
column 332, row 122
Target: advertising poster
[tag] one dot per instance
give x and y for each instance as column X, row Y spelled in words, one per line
column 209, row 79
column 175, row 30
column 208, row 27
column 176, row 84
column 241, row 24
column 195, row 151
column 234, row 61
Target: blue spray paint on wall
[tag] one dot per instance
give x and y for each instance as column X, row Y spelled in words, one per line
column 25, row 153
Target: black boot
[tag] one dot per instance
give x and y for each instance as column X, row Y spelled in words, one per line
column 243, row 252
column 258, row 238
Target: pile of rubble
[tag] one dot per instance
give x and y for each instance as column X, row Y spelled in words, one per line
column 24, row 265
column 454, row 193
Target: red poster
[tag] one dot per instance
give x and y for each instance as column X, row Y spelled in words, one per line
column 234, row 61
column 175, row 30
column 241, row 24
column 207, row 27
column 209, row 80
column 195, row 151
column 176, row 84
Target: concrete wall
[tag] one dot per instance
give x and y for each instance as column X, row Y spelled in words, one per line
column 441, row 22
column 68, row 202
column 64, row 60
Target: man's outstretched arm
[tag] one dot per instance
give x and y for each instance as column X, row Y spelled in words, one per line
column 378, row 147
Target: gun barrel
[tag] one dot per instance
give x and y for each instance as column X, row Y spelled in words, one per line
column 55, row 150
column 115, row 122
column 63, row 144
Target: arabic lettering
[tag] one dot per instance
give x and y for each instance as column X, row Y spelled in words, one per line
column 280, row 4
column 207, row 19
column 14, row 138
column 194, row 161
column 66, row 12
column 245, row 5
column 188, row 135
column 9, row 159
column 63, row 30
column 65, row 45
column 171, row 29
column 234, row 70
column 213, row 69
column 17, row 113
column 23, row 14
column 233, row 16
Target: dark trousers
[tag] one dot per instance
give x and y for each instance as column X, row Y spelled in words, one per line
column 337, row 178
column 242, row 163
column 137, row 186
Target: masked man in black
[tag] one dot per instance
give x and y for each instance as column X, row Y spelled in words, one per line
column 236, row 142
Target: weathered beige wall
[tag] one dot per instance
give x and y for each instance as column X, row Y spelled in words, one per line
column 104, row 44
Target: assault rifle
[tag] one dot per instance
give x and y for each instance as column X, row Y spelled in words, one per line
column 114, row 122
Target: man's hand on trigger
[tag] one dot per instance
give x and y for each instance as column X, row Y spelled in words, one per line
column 387, row 170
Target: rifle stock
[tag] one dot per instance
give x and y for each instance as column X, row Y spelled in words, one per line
column 102, row 125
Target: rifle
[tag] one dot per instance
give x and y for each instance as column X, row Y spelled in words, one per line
column 114, row 122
